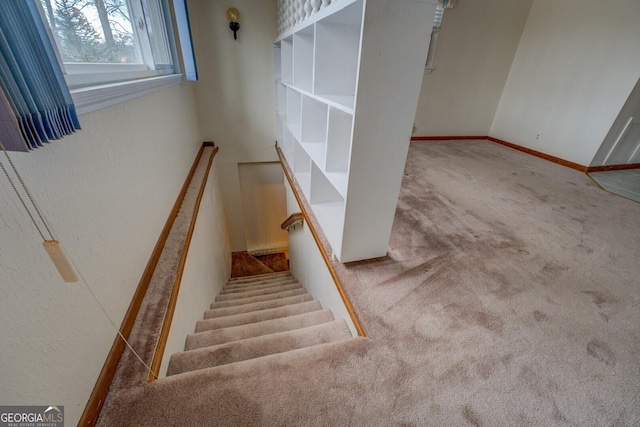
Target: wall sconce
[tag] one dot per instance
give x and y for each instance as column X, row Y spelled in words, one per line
column 233, row 16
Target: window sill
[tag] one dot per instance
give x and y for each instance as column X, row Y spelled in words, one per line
column 88, row 99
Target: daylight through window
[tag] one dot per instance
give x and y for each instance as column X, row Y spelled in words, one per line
column 103, row 41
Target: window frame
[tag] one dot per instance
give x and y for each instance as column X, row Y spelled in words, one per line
column 104, row 85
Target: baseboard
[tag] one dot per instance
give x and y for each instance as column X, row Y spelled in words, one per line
column 103, row 383
column 447, row 138
column 548, row 157
column 613, row 167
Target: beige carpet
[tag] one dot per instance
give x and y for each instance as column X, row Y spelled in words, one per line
column 510, row 296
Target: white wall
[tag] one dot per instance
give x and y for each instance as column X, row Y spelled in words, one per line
column 264, row 205
column 235, row 94
column 576, row 64
column 477, row 42
column 207, row 268
column 308, row 266
column 107, row 191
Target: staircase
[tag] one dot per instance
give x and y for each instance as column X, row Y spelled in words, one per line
column 254, row 317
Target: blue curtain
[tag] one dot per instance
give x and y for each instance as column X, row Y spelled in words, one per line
column 31, row 77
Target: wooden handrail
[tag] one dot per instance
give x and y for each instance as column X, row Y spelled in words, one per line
column 173, row 300
column 294, row 218
column 323, row 251
column 103, row 383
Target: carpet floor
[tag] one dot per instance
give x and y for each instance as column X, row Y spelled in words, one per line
column 510, row 295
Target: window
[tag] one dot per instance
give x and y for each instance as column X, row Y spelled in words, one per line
column 106, row 41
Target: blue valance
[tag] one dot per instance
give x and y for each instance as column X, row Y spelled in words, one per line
column 31, row 77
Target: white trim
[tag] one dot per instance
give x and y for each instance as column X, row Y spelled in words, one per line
column 88, row 99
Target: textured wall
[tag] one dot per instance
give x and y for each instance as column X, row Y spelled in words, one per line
column 576, row 64
column 107, row 192
column 235, row 94
column 477, row 42
column 206, row 270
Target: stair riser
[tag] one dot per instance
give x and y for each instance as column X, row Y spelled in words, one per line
column 237, row 333
column 242, row 301
column 253, row 348
column 259, row 292
column 264, row 305
column 227, row 290
column 249, row 279
column 257, row 316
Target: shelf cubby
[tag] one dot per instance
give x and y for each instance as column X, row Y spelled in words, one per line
column 294, row 116
column 337, row 54
column 338, row 140
column 286, row 60
column 287, row 144
column 277, row 62
column 303, row 59
column 302, row 168
column 314, row 129
column 281, row 98
column 328, row 205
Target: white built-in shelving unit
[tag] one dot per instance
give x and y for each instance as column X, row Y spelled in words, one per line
column 347, row 81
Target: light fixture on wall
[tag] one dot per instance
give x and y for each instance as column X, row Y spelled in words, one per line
column 233, row 16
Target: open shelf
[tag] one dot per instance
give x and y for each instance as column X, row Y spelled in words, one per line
column 338, row 140
column 302, row 169
column 303, row 59
column 314, row 129
column 294, row 117
column 346, row 94
column 337, row 54
column 328, row 207
column 277, row 62
column 281, row 98
column 339, row 180
column 287, row 144
column 286, row 60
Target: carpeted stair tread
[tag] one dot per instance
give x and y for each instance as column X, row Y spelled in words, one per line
column 333, row 352
column 247, row 286
column 257, row 316
column 231, row 284
column 262, row 305
column 258, row 292
column 257, row 277
column 232, row 290
column 252, row 348
column 236, row 333
column 267, row 297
